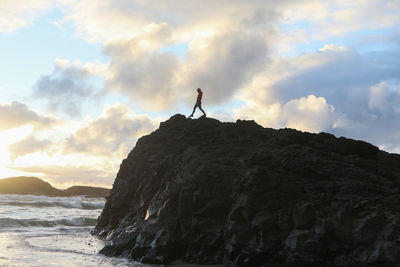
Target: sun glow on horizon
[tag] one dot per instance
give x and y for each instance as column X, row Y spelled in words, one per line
column 86, row 79
column 7, row 137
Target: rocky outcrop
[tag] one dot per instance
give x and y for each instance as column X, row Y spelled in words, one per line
column 242, row 195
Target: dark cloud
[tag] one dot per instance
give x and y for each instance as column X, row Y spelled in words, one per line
column 362, row 89
column 65, row 89
column 342, row 76
column 17, row 114
column 381, row 119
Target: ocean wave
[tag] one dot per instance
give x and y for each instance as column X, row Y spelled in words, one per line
column 18, row 223
column 46, row 204
column 7, row 197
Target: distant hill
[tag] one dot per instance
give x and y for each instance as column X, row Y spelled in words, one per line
column 87, row 191
column 35, row 186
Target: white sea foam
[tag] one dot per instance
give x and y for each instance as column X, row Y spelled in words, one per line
column 51, row 231
column 79, row 202
column 80, row 221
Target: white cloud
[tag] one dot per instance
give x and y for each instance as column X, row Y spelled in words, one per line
column 114, row 133
column 90, row 153
column 362, row 14
column 148, row 78
column 322, row 20
column 311, row 113
column 362, row 88
column 341, row 75
column 112, row 20
column 228, row 42
column 225, row 63
column 106, row 20
column 15, row 14
column 333, row 48
column 221, row 64
column 15, row 114
column 232, row 52
column 28, row 145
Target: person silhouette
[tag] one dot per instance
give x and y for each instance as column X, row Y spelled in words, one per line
column 198, row 103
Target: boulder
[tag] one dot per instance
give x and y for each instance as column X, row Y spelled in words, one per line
column 238, row 194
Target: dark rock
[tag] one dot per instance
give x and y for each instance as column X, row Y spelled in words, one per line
column 238, row 194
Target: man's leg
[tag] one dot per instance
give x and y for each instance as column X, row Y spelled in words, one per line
column 202, row 110
column 194, row 109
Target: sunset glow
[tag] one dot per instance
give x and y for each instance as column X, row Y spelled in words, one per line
column 81, row 81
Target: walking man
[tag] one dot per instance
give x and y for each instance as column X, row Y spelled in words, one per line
column 198, row 103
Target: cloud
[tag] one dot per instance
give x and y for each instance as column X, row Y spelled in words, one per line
column 233, row 52
column 17, row 114
column 148, row 78
column 361, row 14
column 310, row 113
column 362, row 88
column 105, row 21
column 220, row 64
column 67, row 87
column 112, row 20
column 225, row 63
column 71, row 174
column 28, row 145
column 15, row 14
column 112, row 134
column 382, row 99
column 226, row 46
column 324, row 20
column 381, row 122
column 339, row 74
column 228, row 43
column 232, row 49
column 298, row 21
column 90, row 153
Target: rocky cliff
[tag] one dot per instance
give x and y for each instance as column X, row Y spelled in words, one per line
column 243, row 195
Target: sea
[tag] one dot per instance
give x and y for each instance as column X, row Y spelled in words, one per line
column 52, row 231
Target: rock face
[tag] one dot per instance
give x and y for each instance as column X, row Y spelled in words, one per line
column 242, row 195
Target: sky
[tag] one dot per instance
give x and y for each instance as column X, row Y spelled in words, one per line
column 81, row 81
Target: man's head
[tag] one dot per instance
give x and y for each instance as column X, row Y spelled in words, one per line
column 198, row 90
